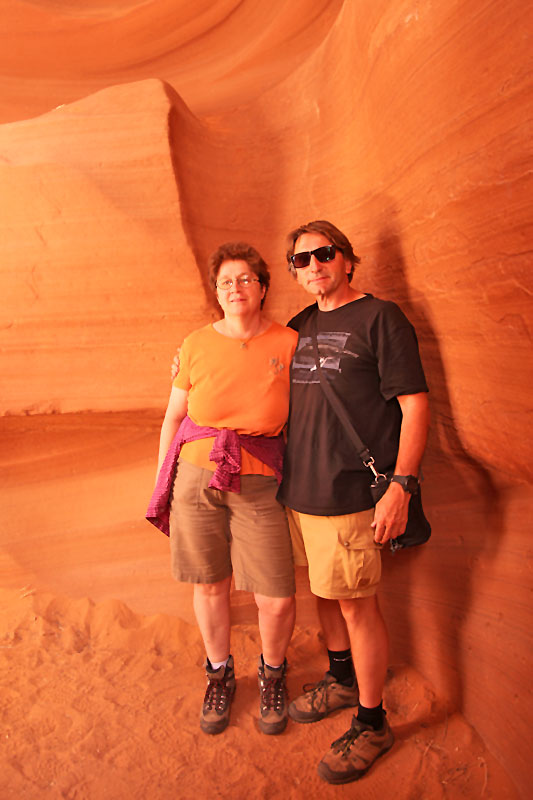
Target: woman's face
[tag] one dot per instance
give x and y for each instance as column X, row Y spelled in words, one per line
column 241, row 298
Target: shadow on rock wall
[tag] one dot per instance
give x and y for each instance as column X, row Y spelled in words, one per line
column 457, row 488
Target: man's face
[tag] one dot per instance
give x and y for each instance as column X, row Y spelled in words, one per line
column 321, row 279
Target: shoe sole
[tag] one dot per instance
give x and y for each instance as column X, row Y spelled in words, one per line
column 334, row 778
column 273, row 728
column 212, row 728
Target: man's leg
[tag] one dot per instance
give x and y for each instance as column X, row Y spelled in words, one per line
column 337, row 641
column 338, row 688
column 333, row 624
column 369, row 735
column 370, row 646
column 329, row 613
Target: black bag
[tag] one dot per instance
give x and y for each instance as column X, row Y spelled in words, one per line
column 418, row 529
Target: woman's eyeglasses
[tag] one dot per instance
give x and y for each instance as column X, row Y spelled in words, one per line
column 242, row 280
column 322, row 254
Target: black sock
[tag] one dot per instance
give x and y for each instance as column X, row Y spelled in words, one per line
column 341, row 666
column 371, row 716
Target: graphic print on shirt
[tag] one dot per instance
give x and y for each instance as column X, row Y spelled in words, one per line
column 331, row 348
column 276, row 366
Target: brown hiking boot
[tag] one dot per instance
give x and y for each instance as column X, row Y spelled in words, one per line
column 355, row 752
column 322, row 698
column 272, row 698
column 218, row 696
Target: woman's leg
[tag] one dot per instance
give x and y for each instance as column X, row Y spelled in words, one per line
column 211, row 606
column 276, row 623
column 212, row 610
column 276, row 617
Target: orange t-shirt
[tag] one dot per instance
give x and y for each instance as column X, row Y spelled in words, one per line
column 241, row 387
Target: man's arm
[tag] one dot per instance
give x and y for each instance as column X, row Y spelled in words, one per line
column 175, row 366
column 391, row 511
column 175, row 413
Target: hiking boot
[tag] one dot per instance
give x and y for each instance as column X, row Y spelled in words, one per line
column 272, row 698
column 355, row 752
column 218, row 696
column 322, row 698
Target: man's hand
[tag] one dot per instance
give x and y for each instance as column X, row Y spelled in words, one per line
column 175, row 367
column 390, row 518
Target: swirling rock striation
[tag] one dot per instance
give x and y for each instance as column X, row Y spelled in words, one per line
column 137, row 136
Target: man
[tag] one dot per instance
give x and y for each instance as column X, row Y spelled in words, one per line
column 369, row 354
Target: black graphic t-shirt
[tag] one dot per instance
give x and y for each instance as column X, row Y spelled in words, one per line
column 369, row 351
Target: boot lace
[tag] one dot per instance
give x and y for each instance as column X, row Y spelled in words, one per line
column 318, row 694
column 344, row 742
column 216, row 695
column 273, row 694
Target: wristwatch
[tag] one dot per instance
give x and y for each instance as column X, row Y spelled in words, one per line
column 409, row 483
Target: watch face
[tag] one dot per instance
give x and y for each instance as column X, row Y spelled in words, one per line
column 411, row 484
column 408, row 483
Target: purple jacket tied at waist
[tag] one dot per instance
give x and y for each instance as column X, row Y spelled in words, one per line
column 226, row 453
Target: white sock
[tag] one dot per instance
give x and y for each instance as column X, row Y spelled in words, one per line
column 217, row 664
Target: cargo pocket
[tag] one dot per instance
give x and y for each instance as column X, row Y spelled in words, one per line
column 360, row 554
column 354, row 531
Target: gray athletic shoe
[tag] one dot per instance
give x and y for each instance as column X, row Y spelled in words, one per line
column 273, row 715
column 322, row 698
column 218, row 696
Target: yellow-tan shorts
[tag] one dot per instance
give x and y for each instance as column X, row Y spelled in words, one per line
column 343, row 559
column 214, row 533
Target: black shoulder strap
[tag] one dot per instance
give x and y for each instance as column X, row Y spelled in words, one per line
column 362, row 450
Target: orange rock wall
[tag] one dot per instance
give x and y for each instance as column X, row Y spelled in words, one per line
column 406, row 124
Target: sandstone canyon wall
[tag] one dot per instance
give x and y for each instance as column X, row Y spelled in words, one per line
column 135, row 138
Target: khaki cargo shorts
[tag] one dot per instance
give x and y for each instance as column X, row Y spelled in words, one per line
column 343, row 559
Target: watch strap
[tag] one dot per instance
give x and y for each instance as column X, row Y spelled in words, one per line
column 409, row 483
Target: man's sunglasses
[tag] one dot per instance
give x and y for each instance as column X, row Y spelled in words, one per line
column 322, row 254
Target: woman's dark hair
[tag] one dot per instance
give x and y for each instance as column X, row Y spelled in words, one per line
column 239, row 251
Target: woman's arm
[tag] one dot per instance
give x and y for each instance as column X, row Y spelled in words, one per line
column 175, row 413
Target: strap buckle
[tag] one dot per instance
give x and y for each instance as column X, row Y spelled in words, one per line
column 378, row 476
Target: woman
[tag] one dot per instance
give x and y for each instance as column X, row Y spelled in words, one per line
column 228, row 406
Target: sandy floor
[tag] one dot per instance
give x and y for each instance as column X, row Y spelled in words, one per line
column 101, row 702
column 100, row 697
